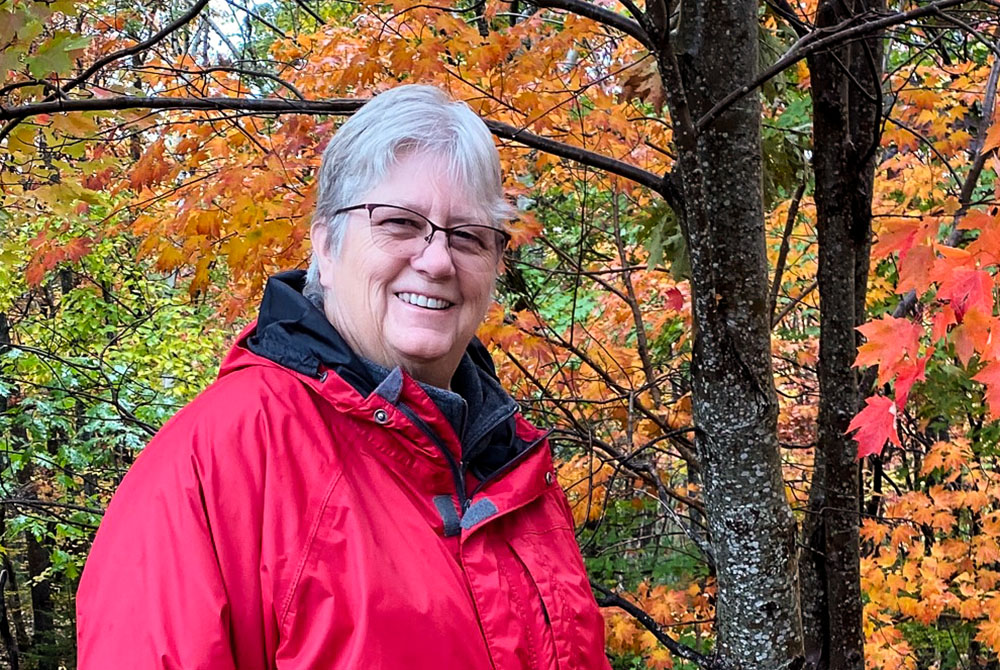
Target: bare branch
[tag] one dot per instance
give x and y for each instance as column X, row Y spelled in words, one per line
column 603, row 16
column 236, row 70
column 258, row 18
column 611, row 599
column 779, row 267
column 823, row 38
column 785, row 10
column 225, row 40
column 309, row 10
column 332, row 106
column 791, row 305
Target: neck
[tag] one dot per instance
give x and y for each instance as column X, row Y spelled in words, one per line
column 436, row 372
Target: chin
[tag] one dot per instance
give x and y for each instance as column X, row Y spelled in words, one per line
column 424, row 354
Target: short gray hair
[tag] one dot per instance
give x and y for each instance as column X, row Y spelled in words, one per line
column 412, row 119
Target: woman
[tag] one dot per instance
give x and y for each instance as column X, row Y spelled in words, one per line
column 355, row 490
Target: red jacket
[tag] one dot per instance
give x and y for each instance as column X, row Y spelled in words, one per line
column 283, row 520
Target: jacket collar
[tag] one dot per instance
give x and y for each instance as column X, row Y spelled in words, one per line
column 294, row 333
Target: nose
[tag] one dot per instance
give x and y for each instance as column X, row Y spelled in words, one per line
column 435, row 260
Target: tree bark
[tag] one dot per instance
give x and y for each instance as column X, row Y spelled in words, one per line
column 9, row 640
column 734, row 403
column 847, row 105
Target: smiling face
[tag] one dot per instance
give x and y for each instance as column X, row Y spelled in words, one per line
column 417, row 312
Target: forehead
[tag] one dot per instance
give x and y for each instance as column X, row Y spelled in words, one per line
column 425, row 184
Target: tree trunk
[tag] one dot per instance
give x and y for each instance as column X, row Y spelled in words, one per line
column 9, row 640
column 847, row 104
column 734, row 404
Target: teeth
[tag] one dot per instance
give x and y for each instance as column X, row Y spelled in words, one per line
column 423, row 301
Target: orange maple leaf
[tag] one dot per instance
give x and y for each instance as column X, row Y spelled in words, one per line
column 889, row 340
column 992, row 137
column 914, row 269
column 989, row 633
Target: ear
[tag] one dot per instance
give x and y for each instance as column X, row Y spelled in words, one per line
column 320, row 236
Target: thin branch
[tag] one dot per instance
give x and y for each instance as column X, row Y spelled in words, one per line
column 334, row 106
column 930, row 145
column 791, row 305
column 258, row 18
column 785, row 10
column 603, row 16
column 779, row 267
column 27, row 502
column 611, row 599
column 633, row 303
column 225, row 40
column 236, row 70
column 309, row 10
column 823, row 38
column 992, row 46
column 636, row 13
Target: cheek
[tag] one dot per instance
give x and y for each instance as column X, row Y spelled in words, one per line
column 479, row 298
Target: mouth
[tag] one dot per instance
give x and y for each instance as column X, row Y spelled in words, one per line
column 419, row 300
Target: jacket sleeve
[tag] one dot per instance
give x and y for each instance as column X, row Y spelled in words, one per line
column 152, row 595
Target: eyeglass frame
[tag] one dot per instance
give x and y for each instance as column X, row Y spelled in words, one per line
column 369, row 206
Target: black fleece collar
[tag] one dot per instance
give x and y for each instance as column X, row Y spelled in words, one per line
column 294, row 333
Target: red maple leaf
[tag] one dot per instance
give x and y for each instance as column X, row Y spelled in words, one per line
column 907, row 375
column 675, row 299
column 875, row 424
column 965, row 288
column 990, row 376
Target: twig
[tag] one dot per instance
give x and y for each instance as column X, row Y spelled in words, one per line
column 236, row 70
column 823, row 38
column 791, row 305
column 335, row 106
column 612, row 599
column 309, row 10
column 117, row 55
column 258, row 17
column 779, row 268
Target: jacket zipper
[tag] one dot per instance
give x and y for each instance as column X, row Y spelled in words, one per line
column 456, row 470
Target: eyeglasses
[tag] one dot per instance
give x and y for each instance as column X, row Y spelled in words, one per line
column 403, row 232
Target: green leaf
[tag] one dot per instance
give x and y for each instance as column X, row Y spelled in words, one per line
column 55, row 56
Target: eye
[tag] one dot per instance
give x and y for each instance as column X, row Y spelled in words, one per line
column 468, row 239
column 402, row 222
column 396, row 223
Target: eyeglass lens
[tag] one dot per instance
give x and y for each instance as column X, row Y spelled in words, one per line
column 402, row 232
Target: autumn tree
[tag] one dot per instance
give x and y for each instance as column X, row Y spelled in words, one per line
column 631, row 135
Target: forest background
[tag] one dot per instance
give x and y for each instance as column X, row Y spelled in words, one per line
column 752, row 287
